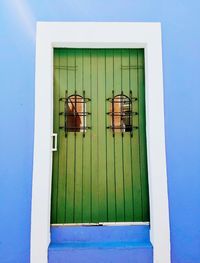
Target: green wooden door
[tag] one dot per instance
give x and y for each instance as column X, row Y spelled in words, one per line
column 99, row 173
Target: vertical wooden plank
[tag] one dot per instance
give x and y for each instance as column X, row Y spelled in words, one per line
column 142, row 128
column 79, row 138
column 135, row 140
column 118, row 144
column 94, row 133
column 62, row 143
column 56, row 130
column 71, row 144
column 86, row 199
column 128, row 191
column 111, row 182
column 101, row 137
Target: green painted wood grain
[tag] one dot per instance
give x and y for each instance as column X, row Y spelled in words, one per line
column 78, row 145
column 100, row 178
column 136, row 173
column 111, row 180
column 87, row 141
column 142, row 142
column 120, row 213
column 94, row 133
column 126, row 154
column 101, row 137
column 71, row 151
column 62, row 143
column 55, row 170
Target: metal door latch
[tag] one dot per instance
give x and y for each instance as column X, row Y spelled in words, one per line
column 54, row 142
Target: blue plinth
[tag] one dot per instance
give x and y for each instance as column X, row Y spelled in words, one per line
column 100, row 244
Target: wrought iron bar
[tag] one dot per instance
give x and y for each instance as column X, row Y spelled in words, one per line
column 85, row 115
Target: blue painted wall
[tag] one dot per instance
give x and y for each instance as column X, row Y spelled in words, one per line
column 181, row 56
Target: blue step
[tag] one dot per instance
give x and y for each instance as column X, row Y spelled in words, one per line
column 100, row 244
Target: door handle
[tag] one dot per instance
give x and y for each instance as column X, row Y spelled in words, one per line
column 54, row 142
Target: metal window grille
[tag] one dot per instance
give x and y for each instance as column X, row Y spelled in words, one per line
column 75, row 114
column 121, row 113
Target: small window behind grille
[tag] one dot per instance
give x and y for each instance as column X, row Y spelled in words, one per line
column 75, row 113
column 121, row 113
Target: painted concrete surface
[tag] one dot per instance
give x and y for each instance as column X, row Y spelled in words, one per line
column 181, row 41
column 63, row 234
column 110, row 254
column 100, row 244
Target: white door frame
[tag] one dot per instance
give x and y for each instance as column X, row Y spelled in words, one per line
column 99, row 35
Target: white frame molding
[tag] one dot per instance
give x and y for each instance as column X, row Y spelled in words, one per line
column 99, row 35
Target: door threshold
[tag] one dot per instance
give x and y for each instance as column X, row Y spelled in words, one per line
column 104, row 224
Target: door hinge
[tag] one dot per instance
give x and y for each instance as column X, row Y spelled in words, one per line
column 54, row 142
